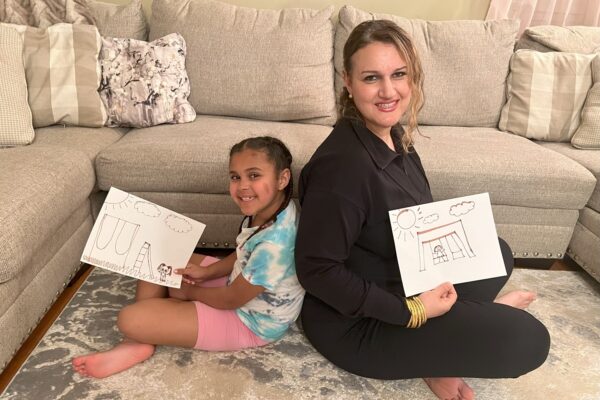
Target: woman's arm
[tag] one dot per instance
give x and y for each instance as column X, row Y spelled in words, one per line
column 227, row 297
column 330, row 225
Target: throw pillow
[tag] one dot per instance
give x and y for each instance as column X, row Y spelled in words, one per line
column 546, row 92
column 63, row 74
column 44, row 13
column 15, row 116
column 465, row 64
column 120, row 20
column 245, row 62
column 145, row 84
column 587, row 135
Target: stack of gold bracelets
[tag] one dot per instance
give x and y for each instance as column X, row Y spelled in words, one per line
column 417, row 312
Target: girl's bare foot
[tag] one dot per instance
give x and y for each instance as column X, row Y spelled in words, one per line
column 123, row 356
column 517, row 298
column 450, row 388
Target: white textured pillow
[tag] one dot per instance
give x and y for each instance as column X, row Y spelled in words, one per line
column 587, row 135
column 246, row 62
column 546, row 92
column 15, row 115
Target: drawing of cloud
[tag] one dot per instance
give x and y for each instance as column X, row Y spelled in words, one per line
column 461, row 208
column 178, row 224
column 149, row 210
column 431, row 218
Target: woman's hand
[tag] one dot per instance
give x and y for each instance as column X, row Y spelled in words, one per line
column 439, row 300
column 194, row 274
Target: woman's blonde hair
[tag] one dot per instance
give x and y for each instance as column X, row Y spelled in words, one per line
column 385, row 31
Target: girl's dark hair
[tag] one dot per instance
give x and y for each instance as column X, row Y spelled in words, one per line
column 385, row 31
column 280, row 155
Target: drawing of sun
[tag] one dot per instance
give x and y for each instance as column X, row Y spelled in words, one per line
column 406, row 220
column 118, row 200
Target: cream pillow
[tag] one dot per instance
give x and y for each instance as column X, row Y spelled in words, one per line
column 587, row 135
column 245, row 62
column 546, row 92
column 120, row 20
column 15, row 116
column 63, row 74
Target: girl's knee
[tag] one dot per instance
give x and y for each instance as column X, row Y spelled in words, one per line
column 129, row 321
column 197, row 258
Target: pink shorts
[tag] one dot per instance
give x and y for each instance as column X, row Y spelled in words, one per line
column 222, row 330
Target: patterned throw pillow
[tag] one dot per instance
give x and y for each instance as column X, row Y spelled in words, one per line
column 588, row 133
column 546, row 92
column 15, row 116
column 63, row 75
column 145, row 84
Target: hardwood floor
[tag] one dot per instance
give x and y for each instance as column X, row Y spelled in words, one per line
column 13, row 367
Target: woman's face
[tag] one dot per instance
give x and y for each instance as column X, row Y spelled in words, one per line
column 379, row 86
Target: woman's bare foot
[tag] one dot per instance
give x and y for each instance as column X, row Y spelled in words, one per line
column 450, row 388
column 123, row 356
column 517, row 298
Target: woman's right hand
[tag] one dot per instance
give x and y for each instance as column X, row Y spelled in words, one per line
column 439, row 300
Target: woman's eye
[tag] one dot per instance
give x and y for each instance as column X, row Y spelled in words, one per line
column 370, row 78
column 399, row 75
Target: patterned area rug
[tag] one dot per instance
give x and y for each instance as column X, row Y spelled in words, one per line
column 568, row 303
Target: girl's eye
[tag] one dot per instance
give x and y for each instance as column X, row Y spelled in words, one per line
column 254, row 176
column 234, row 178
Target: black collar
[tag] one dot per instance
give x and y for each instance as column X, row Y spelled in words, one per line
column 380, row 153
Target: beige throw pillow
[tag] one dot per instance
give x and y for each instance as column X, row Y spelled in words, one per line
column 63, row 74
column 465, row 64
column 587, row 135
column 15, row 116
column 245, row 62
column 120, row 20
column 546, row 92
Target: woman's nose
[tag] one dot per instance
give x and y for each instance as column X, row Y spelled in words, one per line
column 386, row 89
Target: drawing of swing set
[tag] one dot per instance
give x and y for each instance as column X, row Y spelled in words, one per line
column 442, row 244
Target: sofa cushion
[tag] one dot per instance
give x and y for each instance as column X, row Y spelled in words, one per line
column 63, row 74
column 152, row 92
column 587, row 135
column 244, row 62
column 15, row 116
column 569, row 39
column 591, row 220
column 514, row 170
column 590, row 159
column 43, row 13
column 41, row 186
column 120, row 20
column 194, row 157
column 546, row 92
column 465, row 64
column 89, row 141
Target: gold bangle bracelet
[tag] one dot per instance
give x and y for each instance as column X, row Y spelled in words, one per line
column 418, row 315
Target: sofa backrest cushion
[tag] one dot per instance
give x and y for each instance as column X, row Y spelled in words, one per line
column 246, row 62
column 15, row 116
column 546, row 92
column 120, row 20
column 147, row 93
column 465, row 65
column 587, row 135
column 569, row 39
column 63, row 74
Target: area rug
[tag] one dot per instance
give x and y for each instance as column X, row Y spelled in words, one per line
column 568, row 303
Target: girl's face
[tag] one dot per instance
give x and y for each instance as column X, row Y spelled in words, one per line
column 379, row 86
column 255, row 185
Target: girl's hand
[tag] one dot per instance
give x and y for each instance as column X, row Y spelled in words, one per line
column 439, row 300
column 193, row 274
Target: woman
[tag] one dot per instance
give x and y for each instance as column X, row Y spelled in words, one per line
column 355, row 312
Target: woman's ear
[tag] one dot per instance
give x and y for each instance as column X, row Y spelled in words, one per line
column 347, row 82
column 284, row 178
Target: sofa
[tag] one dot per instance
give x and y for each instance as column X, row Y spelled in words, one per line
column 276, row 72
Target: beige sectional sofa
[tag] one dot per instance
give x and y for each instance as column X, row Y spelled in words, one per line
column 258, row 72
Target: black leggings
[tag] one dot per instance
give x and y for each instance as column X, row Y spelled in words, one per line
column 476, row 338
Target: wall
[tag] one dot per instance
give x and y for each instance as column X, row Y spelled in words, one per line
column 436, row 10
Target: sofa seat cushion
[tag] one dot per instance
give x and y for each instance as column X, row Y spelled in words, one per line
column 590, row 159
column 514, row 170
column 40, row 187
column 89, row 141
column 194, row 157
column 591, row 220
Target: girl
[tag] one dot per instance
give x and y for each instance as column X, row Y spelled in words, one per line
column 253, row 306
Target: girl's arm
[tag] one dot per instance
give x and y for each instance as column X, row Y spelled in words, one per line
column 227, row 297
column 213, row 271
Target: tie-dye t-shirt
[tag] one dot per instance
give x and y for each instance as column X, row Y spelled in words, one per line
column 267, row 260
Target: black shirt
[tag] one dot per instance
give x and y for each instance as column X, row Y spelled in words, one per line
column 345, row 254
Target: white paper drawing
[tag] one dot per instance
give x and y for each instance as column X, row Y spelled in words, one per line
column 451, row 240
column 141, row 239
